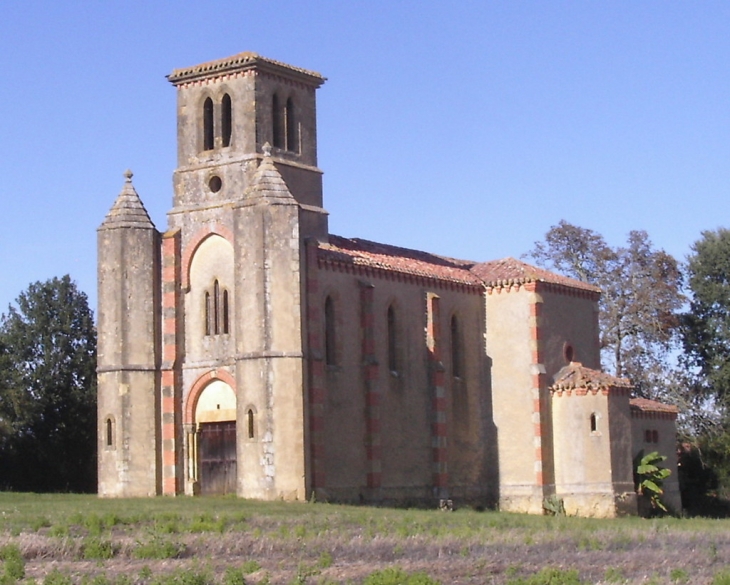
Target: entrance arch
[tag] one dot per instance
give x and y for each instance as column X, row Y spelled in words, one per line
column 211, row 418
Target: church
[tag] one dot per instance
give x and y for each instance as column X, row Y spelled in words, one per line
column 248, row 350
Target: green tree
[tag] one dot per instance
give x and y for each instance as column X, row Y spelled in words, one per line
column 707, row 324
column 640, row 301
column 48, row 390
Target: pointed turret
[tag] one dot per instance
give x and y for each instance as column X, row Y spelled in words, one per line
column 268, row 184
column 128, row 348
column 128, row 210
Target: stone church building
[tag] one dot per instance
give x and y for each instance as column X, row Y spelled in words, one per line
column 248, row 350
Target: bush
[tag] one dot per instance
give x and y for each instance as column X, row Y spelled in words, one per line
column 397, row 576
column 13, row 564
column 550, row 576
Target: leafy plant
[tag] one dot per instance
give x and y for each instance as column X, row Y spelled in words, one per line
column 649, row 477
column 397, row 576
column 550, row 576
column 13, row 564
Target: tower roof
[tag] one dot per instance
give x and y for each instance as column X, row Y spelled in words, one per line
column 243, row 62
column 268, row 183
column 128, row 210
column 576, row 376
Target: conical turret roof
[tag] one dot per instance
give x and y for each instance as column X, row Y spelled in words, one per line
column 268, row 184
column 128, row 210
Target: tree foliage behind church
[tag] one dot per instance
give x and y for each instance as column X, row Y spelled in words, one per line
column 48, row 390
column 640, row 301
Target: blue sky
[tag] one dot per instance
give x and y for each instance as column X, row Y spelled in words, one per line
column 463, row 128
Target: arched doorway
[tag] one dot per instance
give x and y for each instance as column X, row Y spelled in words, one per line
column 215, row 439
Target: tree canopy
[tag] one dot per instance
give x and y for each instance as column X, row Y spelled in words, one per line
column 48, row 390
column 707, row 324
column 640, row 302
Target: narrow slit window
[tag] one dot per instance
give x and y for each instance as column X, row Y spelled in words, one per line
column 109, row 432
column 455, row 347
column 329, row 332
column 208, row 133
column 216, row 308
column 208, row 313
column 392, row 341
column 594, row 423
column 226, row 120
column 292, row 136
column 250, row 421
column 225, row 312
column 278, row 126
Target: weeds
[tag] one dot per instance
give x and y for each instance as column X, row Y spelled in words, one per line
column 550, row 576
column 158, row 548
column 13, row 564
column 397, row 576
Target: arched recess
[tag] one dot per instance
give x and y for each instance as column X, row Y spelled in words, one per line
column 195, row 242
column 226, row 120
column 210, row 300
column 210, row 414
column 208, row 130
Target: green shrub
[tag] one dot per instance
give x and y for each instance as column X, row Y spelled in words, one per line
column 679, row 576
column 234, row 577
column 158, row 548
column 397, row 576
column 550, row 576
column 614, row 575
column 56, row 577
column 97, row 549
column 13, row 563
column 250, row 566
column 722, row 578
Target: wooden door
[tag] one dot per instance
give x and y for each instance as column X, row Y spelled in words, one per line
column 217, row 452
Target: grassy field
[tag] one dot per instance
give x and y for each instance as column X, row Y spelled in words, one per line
column 64, row 539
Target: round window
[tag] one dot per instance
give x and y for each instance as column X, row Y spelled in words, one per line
column 215, row 183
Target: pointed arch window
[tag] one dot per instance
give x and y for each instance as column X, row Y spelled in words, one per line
column 292, row 135
column 208, row 131
column 109, row 432
column 217, row 313
column 456, row 351
column 250, row 424
column 278, row 122
column 226, row 120
column 329, row 332
column 392, row 340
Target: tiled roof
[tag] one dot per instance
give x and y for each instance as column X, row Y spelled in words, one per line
column 510, row 271
column 646, row 405
column 240, row 62
column 575, row 376
column 128, row 210
column 371, row 254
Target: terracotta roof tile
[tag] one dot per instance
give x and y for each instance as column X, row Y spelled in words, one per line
column 240, row 62
column 646, row 405
column 366, row 253
column 510, row 271
column 575, row 375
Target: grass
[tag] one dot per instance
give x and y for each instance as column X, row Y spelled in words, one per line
column 228, row 541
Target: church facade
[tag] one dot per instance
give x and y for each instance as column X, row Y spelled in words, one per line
column 247, row 350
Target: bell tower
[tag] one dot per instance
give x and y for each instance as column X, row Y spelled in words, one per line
column 227, row 111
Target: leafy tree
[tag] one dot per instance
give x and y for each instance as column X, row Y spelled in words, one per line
column 48, row 390
column 649, row 478
column 707, row 324
column 641, row 297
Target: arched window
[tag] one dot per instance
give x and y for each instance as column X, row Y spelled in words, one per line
column 329, row 332
column 226, row 120
column 109, row 424
column 208, row 134
column 224, row 315
column 208, row 313
column 278, row 126
column 392, row 341
column 250, row 421
column 456, row 356
column 292, row 136
column 594, row 422
column 216, row 308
